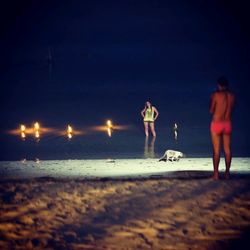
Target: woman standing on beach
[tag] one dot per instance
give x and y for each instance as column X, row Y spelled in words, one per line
column 149, row 114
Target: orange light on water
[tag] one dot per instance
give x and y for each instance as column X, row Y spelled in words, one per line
column 37, row 130
column 109, row 123
column 69, row 132
column 36, row 126
column 37, row 134
column 109, row 132
column 23, row 135
column 22, row 129
column 109, row 127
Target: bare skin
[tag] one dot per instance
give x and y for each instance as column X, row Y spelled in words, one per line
column 221, row 106
column 149, row 124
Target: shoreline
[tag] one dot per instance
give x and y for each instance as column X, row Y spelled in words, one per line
column 116, row 168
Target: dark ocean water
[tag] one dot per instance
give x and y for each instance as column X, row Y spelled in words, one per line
column 85, row 107
column 129, row 143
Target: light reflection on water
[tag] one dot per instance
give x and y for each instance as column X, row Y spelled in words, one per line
column 149, row 148
column 123, row 144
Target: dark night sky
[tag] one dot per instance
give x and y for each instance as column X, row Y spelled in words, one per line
column 108, row 57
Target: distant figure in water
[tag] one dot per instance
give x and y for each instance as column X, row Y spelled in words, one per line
column 149, row 114
column 221, row 106
column 175, row 128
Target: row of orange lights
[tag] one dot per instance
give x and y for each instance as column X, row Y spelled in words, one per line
column 37, row 130
column 23, row 130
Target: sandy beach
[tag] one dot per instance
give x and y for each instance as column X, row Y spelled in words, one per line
column 181, row 211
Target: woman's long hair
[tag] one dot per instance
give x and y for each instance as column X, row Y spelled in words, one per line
column 146, row 106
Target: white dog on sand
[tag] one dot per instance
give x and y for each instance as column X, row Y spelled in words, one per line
column 171, row 155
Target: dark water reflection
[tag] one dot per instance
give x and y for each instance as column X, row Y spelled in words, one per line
column 131, row 143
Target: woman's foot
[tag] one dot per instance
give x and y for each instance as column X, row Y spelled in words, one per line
column 214, row 177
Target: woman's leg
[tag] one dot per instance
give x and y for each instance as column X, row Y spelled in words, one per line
column 152, row 127
column 146, row 128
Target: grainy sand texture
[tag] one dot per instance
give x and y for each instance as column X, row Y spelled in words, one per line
column 185, row 212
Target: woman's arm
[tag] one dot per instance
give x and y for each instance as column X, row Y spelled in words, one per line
column 212, row 104
column 156, row 113
column 143, row 112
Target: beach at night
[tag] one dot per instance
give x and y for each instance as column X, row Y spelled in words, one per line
column 124, row 125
